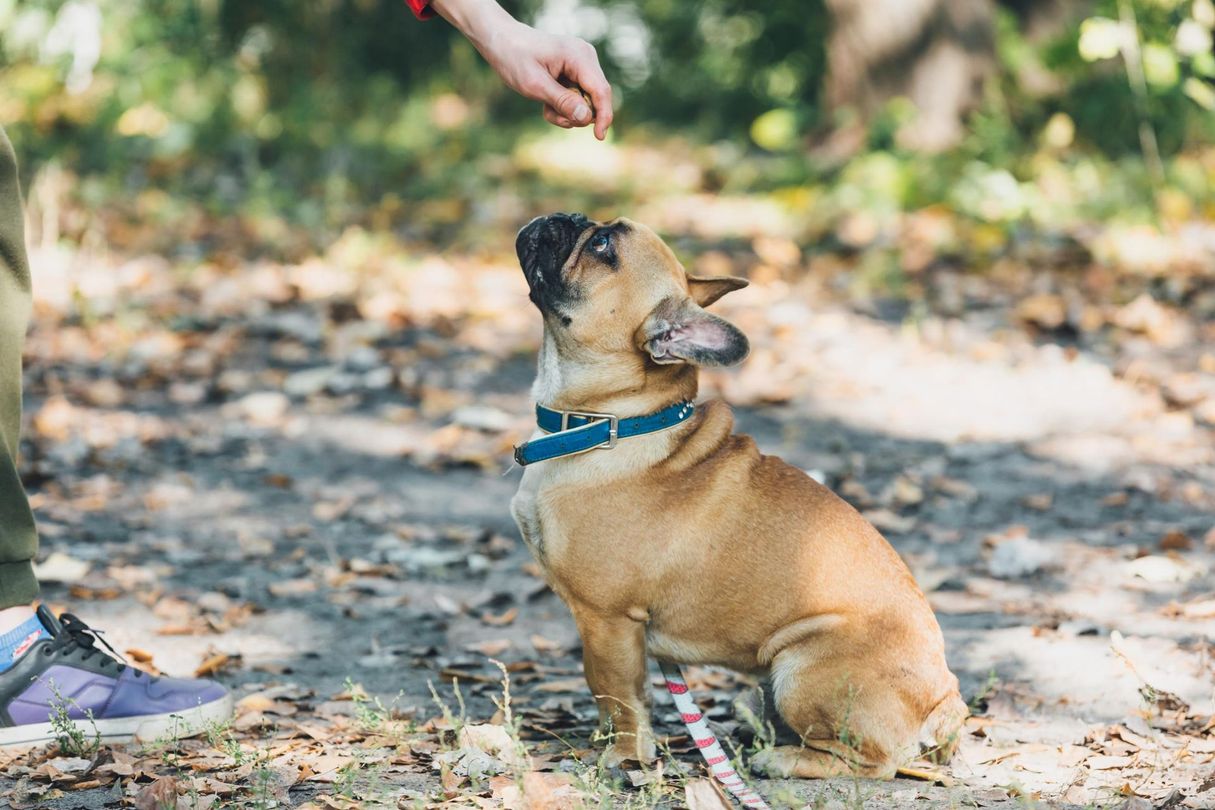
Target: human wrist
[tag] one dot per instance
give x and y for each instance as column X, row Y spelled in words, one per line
column 481, row 21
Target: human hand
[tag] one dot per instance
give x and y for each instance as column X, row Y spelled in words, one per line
column 553, row 70
column 562, row 73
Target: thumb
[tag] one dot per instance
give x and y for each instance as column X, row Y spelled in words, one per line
column 565, row 100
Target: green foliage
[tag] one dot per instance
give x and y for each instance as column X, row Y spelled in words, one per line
column 69, row 733
column 314, row 110
column 1100, row 61
column 225, row 100
column 717, row 65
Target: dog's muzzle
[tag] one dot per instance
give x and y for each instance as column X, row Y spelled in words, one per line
column 543, row 246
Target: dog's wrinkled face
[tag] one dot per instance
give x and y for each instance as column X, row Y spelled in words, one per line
column 615, row 287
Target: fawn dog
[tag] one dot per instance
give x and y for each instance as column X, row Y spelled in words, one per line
column 690, row 545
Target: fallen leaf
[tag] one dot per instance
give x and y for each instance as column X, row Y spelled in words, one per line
column 885, row 520
column 159, row 795
column 1044, row 310
column 491, row 647
column 324, row 768
column 501, row 619
column 906, row 492
column 563, row 685
column 1040, row 502
column 60, row 567
column 495, row 741
column 539, row 791
column 1104, row 763
column 542, row 644
column 704, row 794
column 212, row 665
column 293, row 587
column 1176, row 540
column 1195, row 609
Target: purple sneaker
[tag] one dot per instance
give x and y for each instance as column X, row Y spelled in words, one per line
column 68, row 671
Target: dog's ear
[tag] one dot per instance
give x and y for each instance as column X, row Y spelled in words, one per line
column 707, row 289
column 680, row 331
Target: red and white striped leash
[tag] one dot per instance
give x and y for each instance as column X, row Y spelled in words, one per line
column 715, row 756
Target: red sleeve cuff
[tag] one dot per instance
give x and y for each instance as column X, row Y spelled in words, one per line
column 420, row 8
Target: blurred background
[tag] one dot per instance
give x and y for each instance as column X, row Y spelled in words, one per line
column 282, row 346
column 1036, row 114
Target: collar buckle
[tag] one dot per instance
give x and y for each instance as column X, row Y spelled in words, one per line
column 592, row 417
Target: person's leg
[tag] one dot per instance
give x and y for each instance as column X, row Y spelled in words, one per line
column 18, row 541
column 49, row 665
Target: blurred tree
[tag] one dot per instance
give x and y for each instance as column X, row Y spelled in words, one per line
column 936, row 53
column 316, row 106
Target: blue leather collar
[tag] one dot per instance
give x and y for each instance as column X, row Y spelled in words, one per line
column 573, row 432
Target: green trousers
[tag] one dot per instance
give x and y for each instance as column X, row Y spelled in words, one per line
column 18, row 540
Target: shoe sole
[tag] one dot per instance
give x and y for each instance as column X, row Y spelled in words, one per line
column 144, row 728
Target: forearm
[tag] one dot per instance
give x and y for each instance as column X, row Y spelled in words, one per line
column 481, row 21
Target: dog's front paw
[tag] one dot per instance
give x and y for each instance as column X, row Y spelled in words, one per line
column 639, row 748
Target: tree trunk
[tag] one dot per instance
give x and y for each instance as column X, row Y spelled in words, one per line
column 934, row 52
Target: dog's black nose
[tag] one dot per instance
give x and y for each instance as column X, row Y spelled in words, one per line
column 545, row 243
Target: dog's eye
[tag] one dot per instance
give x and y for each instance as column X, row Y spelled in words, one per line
column 600, row 242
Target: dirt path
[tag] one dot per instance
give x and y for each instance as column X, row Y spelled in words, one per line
column 355, row 530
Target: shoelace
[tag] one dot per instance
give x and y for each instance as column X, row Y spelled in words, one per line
column 75, row 633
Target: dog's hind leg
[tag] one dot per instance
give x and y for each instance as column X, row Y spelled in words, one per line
column 803, row 762
column 849, row 725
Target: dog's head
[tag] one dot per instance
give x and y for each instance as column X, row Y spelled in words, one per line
column 616, row 289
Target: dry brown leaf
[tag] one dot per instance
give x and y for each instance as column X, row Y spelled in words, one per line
column 139, row 656
column 1176, row 540
column 159, row 795
column 323, row 768
column 704, row 794
column 490, row 647
column 60, row 567
column 212, row 665
column 1105, row 763
column 542, row 644
column 539, row 791
column 142, row 660
column 1194, row 609
column 115, row 769
column 293, row 587
column 495, row 741
column 1040, row 502
column 213, row 787
column 1044, row 310
column 906, row 492
column 56, row 419
column 451, row 782
column 260, row 702
column 855, row 492
column 563, row 685
column 885, row 520
column 87, row 784
column 502, row 619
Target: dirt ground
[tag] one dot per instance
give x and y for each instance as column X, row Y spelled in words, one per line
column 297, row 478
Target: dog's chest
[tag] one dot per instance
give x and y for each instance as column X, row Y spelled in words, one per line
column 541, row 522
column 539, row 530
column 525, row 509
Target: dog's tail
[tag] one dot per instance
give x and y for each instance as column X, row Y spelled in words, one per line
column 942, row 729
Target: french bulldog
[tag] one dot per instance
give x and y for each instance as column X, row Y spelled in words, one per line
column 689, row 545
